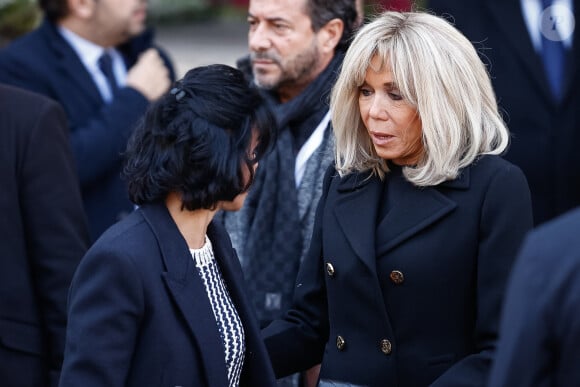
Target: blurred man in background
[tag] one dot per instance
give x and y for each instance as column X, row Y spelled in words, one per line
column 98, row 60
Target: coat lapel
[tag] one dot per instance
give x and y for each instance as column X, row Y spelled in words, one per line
column 256, row 363
column 188, row 291
column 413, row 209
column 224, row 256
column 356, row 212
column 69, row 64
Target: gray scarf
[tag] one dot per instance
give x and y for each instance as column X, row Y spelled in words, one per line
column 272, row 231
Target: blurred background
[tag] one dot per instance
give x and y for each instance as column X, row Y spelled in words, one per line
column 193, row 32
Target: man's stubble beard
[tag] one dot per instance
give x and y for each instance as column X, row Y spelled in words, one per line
column 298, row 71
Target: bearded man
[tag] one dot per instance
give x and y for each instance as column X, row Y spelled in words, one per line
column 296, row 48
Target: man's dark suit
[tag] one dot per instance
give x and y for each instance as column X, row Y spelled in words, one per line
column 43, row 237
column 540, row 329
column 44, row 62
column 546, row 134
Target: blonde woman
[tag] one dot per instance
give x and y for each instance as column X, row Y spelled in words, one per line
column 419, row 221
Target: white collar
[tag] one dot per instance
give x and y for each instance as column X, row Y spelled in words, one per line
column 88, row 52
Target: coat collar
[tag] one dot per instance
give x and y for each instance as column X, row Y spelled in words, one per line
column 414, row 210
column 187, row 289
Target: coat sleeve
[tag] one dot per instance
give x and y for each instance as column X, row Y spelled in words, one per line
column 296, row 342
column 106, row 303
column 54, row 221
column 506, row 217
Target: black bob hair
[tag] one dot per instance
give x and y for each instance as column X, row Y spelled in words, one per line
column 196, row 139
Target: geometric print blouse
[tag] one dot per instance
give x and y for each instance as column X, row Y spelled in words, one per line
column 228, row 321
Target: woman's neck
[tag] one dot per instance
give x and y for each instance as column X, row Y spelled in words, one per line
column 191, row 224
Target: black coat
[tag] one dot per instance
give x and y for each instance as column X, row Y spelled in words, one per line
column 139, row 314
column 416, row 299
column 545, row 134
column 43, row 237
column 44, row 62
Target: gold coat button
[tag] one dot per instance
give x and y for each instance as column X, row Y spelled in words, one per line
column 340, row 343
column 386, row 347
column 397, row 277
column 330, row 269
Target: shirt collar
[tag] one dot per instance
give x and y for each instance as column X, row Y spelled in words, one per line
column 88, row 52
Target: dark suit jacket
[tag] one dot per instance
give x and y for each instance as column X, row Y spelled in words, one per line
column 139, row 314
column 44, row 62
column 546, row 134
column 540, row 328
column 416, row 299
column 44, row 235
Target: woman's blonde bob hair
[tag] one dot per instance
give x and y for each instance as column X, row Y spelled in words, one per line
column 439, row 73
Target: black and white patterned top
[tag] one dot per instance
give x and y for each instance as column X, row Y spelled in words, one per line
column 228, row 321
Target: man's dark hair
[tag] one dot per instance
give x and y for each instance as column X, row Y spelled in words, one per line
column 195, row 140
column 54, row 10
column 323, row 11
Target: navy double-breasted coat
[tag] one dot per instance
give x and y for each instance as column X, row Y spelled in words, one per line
column 412, row 299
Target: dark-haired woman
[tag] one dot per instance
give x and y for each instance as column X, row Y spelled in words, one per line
column 158, row 300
